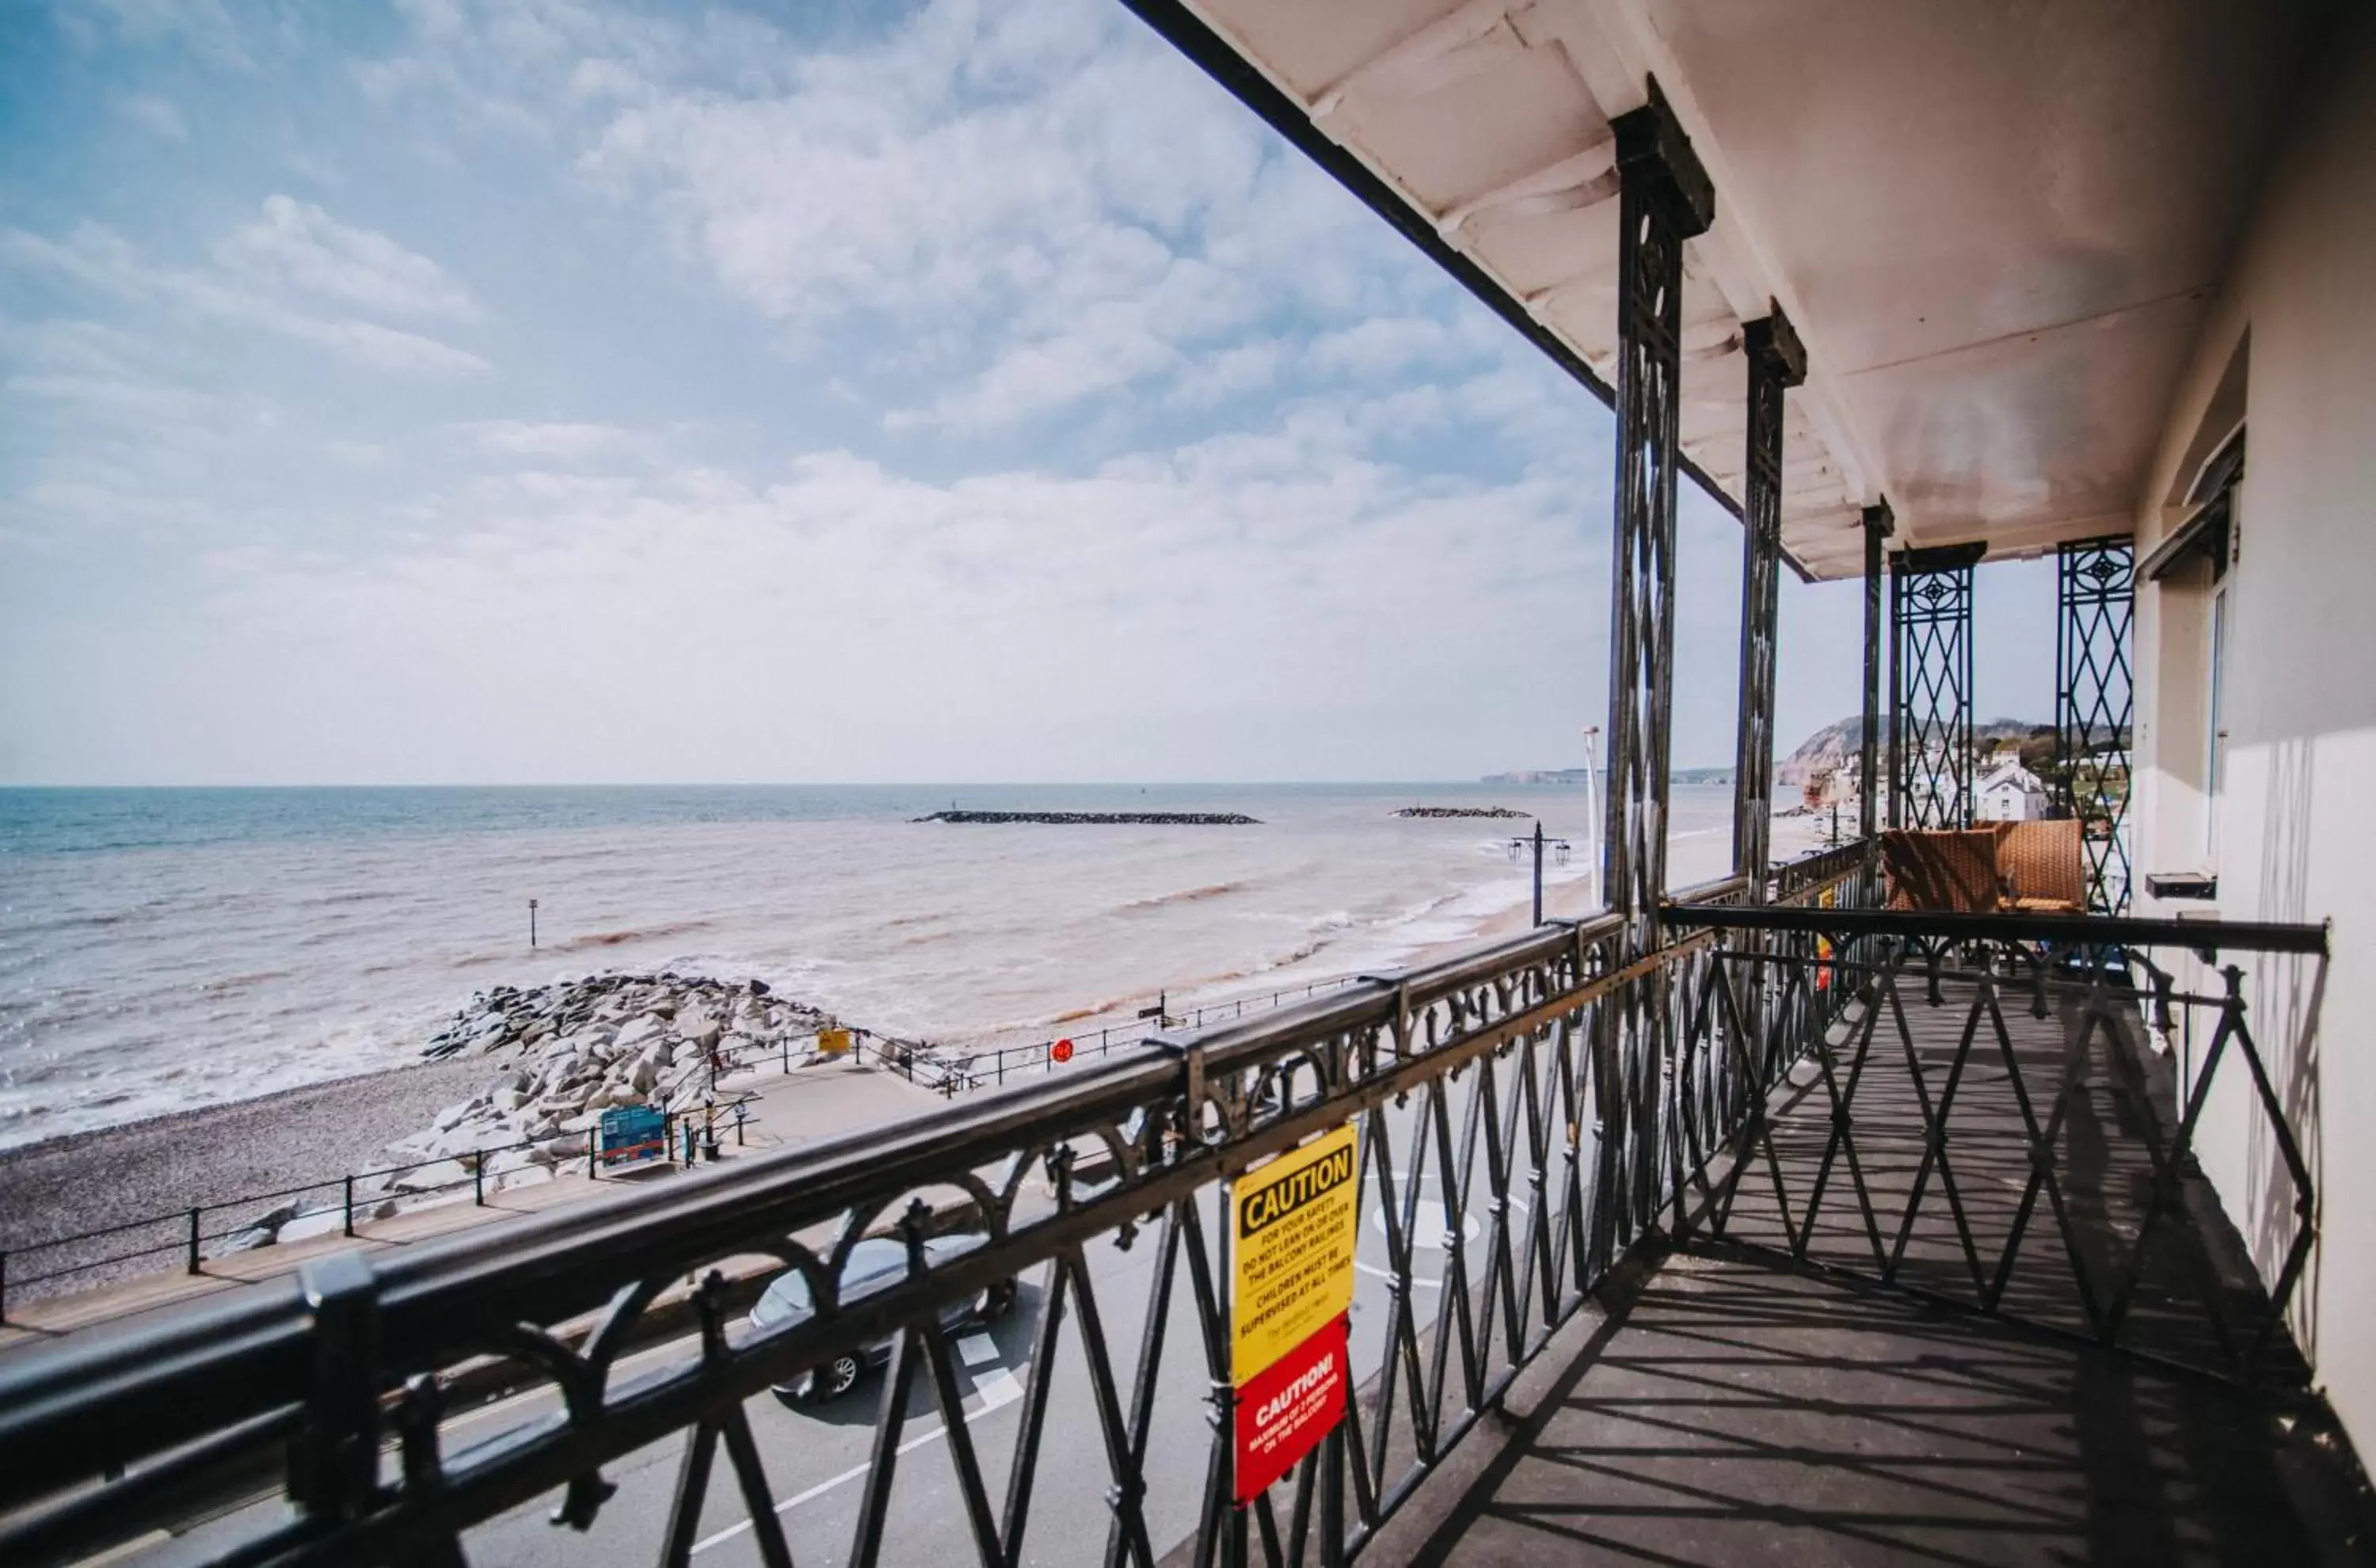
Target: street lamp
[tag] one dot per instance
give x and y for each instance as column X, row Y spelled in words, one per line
column 1540, row 844
column 1600, row 898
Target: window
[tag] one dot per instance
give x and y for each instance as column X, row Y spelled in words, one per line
column 2215, row 761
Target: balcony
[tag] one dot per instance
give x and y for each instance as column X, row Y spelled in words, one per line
column 1757, row 1221
column 1819, row 1232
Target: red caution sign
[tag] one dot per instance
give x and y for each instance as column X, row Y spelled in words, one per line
column 1061, row 1052
column 1285, row 1410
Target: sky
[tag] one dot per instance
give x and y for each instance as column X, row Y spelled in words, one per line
column 564, row 391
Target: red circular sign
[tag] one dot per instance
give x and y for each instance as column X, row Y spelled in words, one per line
column 1061, row 1052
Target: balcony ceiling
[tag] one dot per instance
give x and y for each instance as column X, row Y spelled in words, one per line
column 1997, row 224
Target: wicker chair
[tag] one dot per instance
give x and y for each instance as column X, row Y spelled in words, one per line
column 1951, row 871
column 2033, row 867
column 2042, row 869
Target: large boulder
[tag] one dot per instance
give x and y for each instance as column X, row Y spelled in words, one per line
column 512, row 1159
column 260, row 1231
column 441, row 1175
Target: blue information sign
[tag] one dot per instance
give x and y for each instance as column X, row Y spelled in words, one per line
column 632, row 1133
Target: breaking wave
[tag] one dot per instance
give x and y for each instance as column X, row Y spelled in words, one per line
column 1187, row 896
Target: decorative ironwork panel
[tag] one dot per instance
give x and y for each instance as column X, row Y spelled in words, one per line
column 2093, row 707
column 1777, row 364
column 1930, row 718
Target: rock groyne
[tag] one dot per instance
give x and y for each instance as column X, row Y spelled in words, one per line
column 1462, row 810
column 576, row 1047
column 1068, row 819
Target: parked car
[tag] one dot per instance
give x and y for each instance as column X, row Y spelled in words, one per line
column 876, row 1263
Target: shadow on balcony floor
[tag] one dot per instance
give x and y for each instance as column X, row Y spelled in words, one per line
column 1734, row 1411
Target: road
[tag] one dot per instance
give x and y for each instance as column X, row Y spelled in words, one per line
column 816, row 1457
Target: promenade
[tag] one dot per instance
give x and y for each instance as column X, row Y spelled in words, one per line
column 786, row 1110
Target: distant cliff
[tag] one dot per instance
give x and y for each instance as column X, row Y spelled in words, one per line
column 1836, row 744
column 1539, row 775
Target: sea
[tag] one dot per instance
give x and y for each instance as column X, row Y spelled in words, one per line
column 163, row 949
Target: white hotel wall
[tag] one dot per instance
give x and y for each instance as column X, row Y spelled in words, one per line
column 2297, row 833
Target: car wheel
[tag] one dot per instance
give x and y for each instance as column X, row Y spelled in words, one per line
column 836, row 1378
column 996, row 1301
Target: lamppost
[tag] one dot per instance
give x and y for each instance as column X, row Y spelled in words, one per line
column 1600, row 898
column 1540, row 844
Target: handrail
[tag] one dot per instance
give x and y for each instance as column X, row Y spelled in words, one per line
column 183, row 1376
column 2202, row 935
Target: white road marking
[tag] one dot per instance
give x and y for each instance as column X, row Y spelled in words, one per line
column 997, row 1388
column 977, row 1350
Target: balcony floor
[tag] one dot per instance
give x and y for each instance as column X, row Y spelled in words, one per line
column 1735, row 1411
column 1734, row 1407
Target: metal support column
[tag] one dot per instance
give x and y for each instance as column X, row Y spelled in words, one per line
column 1777, row 364
column 1879, row 521
column 1664, row 199
column 1930, row 718
column 2095, row 702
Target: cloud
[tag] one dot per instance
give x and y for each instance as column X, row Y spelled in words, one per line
column 365, row 342
column 1382, row 345
column 978, row 392
column 203, row 27
column 1024, row 208
column 552, row 439
column 153, row 114
column 296, row 245
column 144, row 403
column 844, row 620
column 266, row 263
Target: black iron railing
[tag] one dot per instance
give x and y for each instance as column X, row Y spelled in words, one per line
column 37, row 1265
column 952, row 1069
column 2002, row 1111
column 1511, row 1150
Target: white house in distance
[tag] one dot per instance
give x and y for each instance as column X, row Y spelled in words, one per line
column 2009, row 792
column 1840, row 787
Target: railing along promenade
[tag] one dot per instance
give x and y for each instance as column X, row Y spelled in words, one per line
column 1547, row 1105
column 192, row 1234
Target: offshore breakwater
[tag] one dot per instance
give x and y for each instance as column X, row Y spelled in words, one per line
column 1070, row 819
column 1433, row 813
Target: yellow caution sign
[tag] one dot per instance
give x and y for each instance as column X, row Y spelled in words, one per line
column 1293, row 1228
column 833, row 1042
